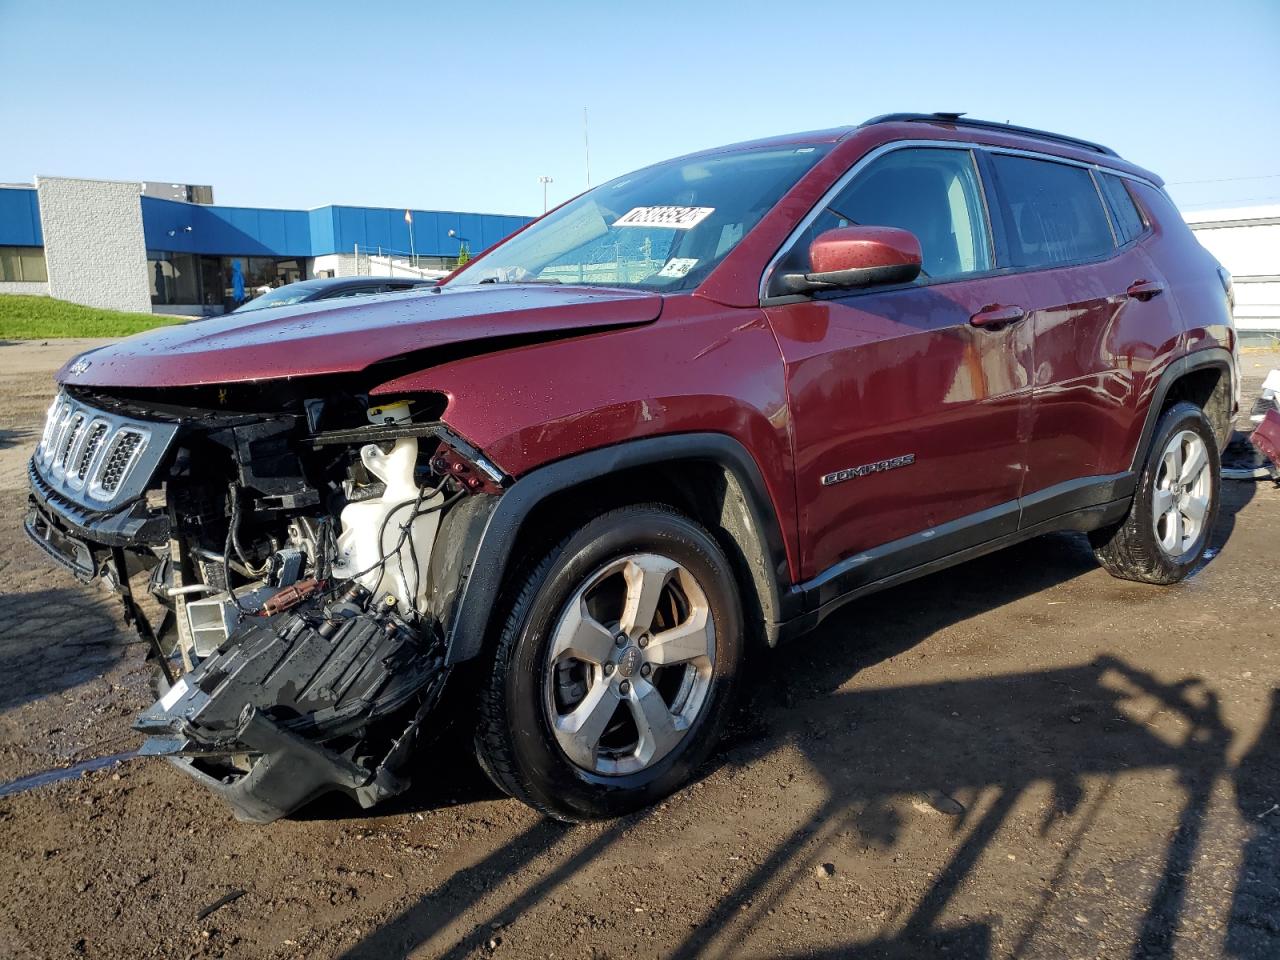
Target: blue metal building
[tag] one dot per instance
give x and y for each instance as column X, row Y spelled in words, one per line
column 193, row 250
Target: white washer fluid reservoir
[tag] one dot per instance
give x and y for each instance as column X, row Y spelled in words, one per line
column 359, row 550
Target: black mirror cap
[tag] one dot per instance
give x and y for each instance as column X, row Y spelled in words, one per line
column 855, row 279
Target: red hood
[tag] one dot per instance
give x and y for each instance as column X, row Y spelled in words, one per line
column 346, row 336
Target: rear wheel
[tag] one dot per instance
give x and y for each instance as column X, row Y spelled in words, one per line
column 614, row 670
column 1174, row 507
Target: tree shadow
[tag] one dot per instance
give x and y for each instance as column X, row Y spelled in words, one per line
column 12, row 438
column 992, row 736
column 54, row 640
column 1253, row 931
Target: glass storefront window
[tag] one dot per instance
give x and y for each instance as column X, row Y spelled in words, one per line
column 174, row 278
column 23, row 265
column 191, row 279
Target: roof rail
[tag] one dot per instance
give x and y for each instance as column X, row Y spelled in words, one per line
column 960, row 120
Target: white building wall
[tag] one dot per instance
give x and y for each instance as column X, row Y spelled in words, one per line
column 342, row 265
column 31, row 287
column 93, row 242
column 370, row 265
column 1247, row 242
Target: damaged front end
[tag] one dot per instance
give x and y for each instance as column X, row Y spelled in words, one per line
column 300, row 593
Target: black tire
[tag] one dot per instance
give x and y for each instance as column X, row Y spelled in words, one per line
column 515, row 742
column 1131, row 550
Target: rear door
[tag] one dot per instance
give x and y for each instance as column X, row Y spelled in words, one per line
column 906, row 416
column 1094, row 299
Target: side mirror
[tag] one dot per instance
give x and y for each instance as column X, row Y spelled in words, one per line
column 853, row 257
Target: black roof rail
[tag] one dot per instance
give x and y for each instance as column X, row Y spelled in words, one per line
column 960, row 120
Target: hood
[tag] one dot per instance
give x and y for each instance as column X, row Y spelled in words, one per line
column 346, row 336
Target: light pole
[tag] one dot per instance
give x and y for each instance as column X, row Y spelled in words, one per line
column 544, row 181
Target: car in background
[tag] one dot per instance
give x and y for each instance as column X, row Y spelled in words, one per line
column 331, row 288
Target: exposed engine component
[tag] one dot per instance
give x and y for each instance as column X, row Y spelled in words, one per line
column 386, row 539
column 292, row 553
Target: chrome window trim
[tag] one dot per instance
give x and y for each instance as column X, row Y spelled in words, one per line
column 816, row 210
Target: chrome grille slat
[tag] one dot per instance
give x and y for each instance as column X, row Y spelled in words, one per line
column 95, row 458
column 93, row 443
column 67, row 442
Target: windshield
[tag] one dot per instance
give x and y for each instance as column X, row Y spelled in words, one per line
column 662, row 228
column 279, row 297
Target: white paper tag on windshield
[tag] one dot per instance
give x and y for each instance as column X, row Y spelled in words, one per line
column 678, row 266
column 677, row 218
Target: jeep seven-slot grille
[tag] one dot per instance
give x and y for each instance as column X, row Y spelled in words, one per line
column 123, row 449
column 97, row 458
column 90, row 450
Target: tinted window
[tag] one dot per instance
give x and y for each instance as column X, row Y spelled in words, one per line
column 1124, row 214
column 354, row 292
column 933, row 193
column 1052, row 212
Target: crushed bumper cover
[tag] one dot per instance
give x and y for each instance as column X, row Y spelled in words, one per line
column 290, row 708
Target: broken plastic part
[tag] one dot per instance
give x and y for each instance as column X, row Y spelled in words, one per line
column 302, row 705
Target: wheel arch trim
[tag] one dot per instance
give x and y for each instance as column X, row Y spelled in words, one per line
column 495, row 531
column 1203, row 359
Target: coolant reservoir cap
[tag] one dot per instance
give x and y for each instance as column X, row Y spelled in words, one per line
column 389, row 413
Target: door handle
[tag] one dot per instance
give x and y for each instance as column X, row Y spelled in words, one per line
column 996, row 316
column 1145, row 289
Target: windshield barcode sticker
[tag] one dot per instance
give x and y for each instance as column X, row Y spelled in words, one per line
column 677, row 218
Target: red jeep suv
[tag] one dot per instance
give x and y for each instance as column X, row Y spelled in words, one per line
column 564, row 490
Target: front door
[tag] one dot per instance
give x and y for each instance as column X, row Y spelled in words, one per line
column 909, row 405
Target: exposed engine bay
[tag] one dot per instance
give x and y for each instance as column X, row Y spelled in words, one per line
column 300, row 635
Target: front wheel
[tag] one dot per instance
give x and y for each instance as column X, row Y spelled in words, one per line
column 1174, row 507
column 613, row 674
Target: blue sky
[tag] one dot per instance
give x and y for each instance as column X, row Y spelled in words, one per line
column 464, row 105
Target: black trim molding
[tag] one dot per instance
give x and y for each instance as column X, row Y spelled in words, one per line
column 478, row 589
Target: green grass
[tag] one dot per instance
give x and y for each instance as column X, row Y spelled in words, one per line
column 43, row 318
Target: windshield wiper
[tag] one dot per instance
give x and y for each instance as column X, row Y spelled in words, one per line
column 537, row 280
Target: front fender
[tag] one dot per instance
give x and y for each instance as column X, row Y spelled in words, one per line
column 475, row 545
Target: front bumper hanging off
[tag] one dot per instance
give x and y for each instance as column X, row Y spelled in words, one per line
column 290, row 707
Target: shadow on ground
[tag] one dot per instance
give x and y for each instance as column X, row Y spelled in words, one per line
column 54, row 640
column 12, row 438
column 970, row 738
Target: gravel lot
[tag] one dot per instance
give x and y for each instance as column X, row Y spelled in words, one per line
column 1019, row 758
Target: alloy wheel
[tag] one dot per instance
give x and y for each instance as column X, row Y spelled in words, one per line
column 1180, row 498
column 629, row 664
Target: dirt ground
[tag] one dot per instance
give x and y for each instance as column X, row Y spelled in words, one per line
column 1019, row 758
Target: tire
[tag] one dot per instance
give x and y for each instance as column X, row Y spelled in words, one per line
column 555, row 672
column 1147, row 546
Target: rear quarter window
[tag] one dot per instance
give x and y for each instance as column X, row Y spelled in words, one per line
column 1052, row 212
column 1124, row 213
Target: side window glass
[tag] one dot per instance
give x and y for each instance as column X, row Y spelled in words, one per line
column 932, row 192
column 1124, row 212
column 1052, row 212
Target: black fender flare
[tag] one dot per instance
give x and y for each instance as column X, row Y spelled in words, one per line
column 1219, row 357
column 476, row 540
